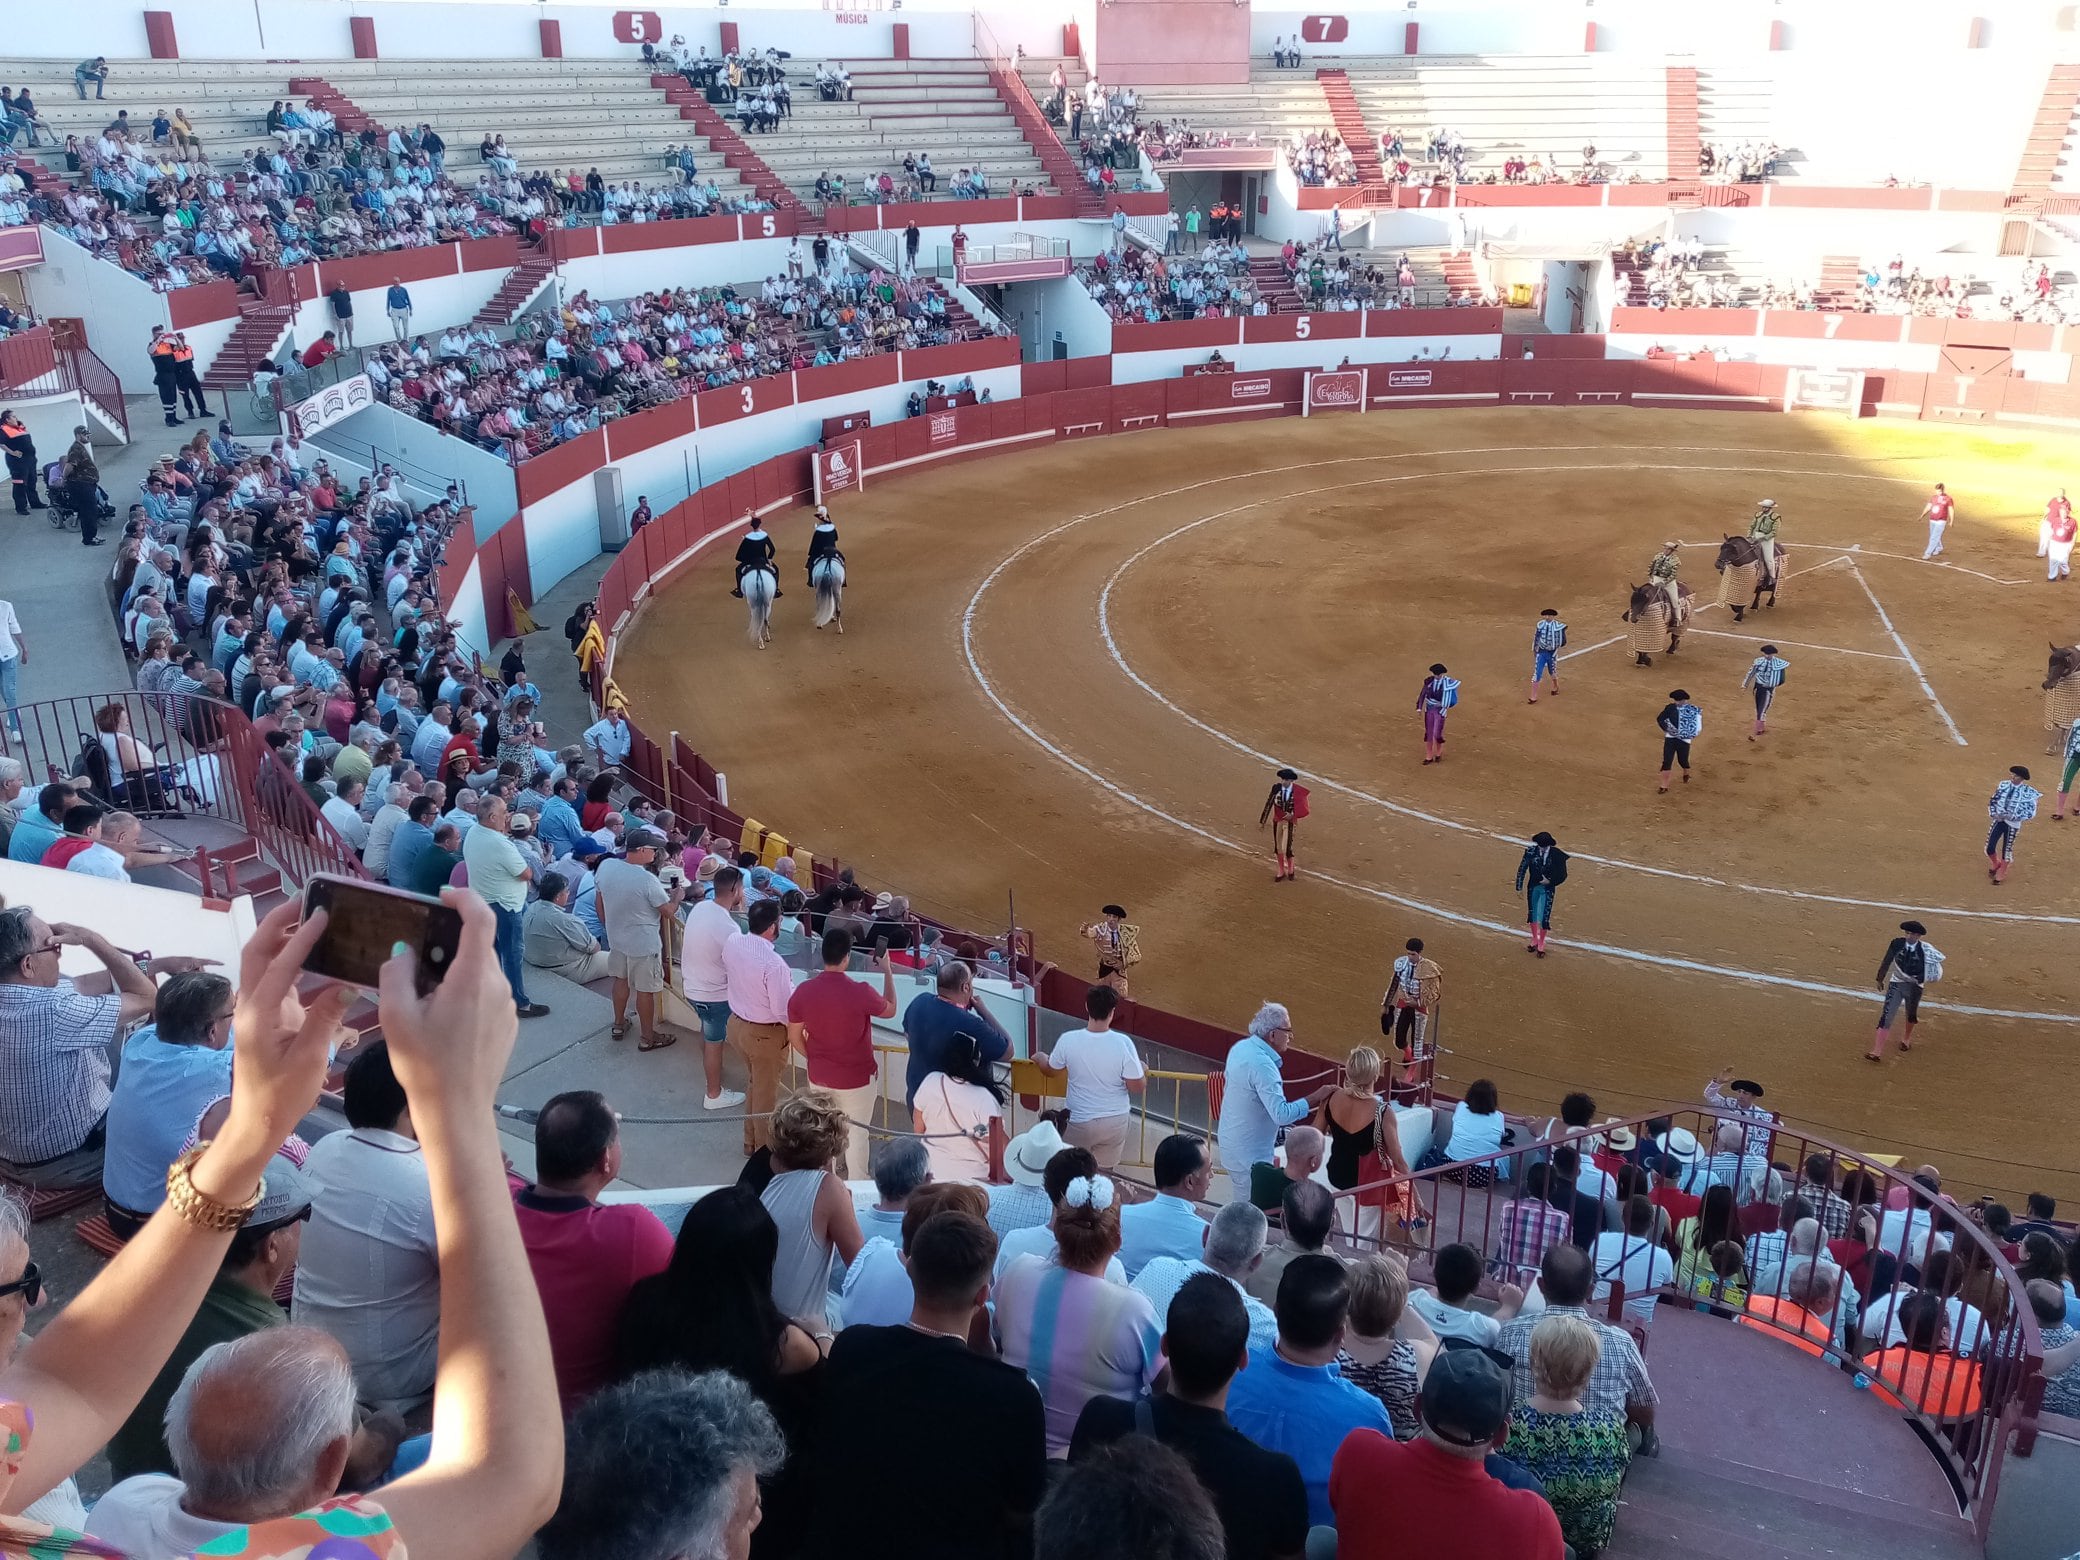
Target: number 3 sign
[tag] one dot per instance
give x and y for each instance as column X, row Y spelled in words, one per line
column 638, row 27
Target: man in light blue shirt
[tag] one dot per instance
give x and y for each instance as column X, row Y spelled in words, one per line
column 1255, row 1106
column 173, row 1069
column 1168, row 1226
column 412, row 839
column 42, row 826
column 559, row 830
column 1234, row 1249
column 1292, row 1398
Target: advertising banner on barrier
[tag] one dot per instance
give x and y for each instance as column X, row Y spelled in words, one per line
column 335, row 403
column 1250, row 387
column 1340, row 391
column 839, row 469
column 945, row 428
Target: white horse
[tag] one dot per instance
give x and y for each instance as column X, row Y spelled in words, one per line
column 759, row 587
column 828, row 576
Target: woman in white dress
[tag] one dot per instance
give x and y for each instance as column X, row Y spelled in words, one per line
column 954, row 1108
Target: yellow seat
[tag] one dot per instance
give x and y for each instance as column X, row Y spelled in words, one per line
column 754, row 831
column 775, row 847
column 804, row 870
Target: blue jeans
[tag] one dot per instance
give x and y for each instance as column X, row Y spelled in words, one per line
column 509, row 944
column 10, row 671
column 714, row 1021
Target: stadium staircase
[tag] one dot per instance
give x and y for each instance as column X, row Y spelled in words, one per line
column 263, row 325
column 1349, row 120
column 1841, row 277
column 2051, row 133
column 351, row 119
column 1274, row 286
column 736, row 154
column 523, row 284
column 1684, row 135
column 1064, row 172
column 1459, row 274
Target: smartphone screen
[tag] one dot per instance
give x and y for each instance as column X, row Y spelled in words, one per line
column 368, row 920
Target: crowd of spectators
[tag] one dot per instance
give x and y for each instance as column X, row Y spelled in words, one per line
column 1140, row 285
column 594, row 361
column 1738, row 162
column 1321, row 158
column 914, row 180
column 1672, row 273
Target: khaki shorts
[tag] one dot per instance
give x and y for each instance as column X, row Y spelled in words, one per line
column 643, row 971
column 1104, row 1136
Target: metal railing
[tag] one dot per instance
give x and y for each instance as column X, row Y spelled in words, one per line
column 201, row 759
column 1722, row 1217
column 34, row 363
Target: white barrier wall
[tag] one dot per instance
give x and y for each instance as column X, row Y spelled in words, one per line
column 437, row 302
column 119, row 309
column 1133, row 368
column 423, row 451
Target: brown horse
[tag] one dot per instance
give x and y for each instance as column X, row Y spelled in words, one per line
column 1741, row 552
column 1648, row 614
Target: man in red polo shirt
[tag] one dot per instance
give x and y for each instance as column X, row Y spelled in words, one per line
column 1431, row 1498
column 318, row 351
column 830, row 1020
column 586, row 1257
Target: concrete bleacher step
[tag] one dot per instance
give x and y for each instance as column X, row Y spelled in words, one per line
column 1675, row 1504
column 1769, row 1454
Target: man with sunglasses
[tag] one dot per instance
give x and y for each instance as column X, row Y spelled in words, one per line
column 57, row 1047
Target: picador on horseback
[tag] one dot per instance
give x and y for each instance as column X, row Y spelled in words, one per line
column 1662, row 572
column 1752, row 566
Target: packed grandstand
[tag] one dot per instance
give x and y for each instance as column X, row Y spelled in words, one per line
column 453, row 350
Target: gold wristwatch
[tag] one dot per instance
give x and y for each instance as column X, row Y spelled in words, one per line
column 194, row 1207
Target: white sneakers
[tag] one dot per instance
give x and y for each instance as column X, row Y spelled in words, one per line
column 723, row 1101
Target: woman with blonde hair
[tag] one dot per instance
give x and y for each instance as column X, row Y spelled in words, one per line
column 1579, row 1451
column 1064, row 1325
column 810, row 1205
column 1365, row 1146
column 1387, row 1348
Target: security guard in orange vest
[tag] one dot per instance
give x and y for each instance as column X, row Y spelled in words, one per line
column 193, row 402
column 1219, row 217
column 165, row 376
column 21, row 462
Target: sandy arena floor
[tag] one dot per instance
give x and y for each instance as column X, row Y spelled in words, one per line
column 1070, row 673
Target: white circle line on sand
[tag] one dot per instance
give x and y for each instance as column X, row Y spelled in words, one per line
column 1457, row 917
column 1358, row 794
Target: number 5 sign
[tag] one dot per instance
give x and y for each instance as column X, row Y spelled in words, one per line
column 638, row 27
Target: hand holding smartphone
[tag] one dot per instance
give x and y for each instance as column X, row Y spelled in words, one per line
column 366, row 924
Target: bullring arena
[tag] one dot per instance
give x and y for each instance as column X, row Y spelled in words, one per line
column 1072, row 671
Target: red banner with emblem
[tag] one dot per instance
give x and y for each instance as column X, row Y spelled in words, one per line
column 1340, row 391
column 839, row 469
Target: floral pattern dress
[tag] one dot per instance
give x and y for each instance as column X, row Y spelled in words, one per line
column 1582, row 1458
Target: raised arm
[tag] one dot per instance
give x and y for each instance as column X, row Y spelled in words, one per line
column 84, row 1373
column 496, row 1463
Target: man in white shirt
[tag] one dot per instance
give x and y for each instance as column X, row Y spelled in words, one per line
column 607, row 739
column 1104, row 1071
column 759, row 984
column 241, row 1406
column 499, row 874
column 709, row 927
column 14, row 655
column 1457, row 1275
column 343, row 811
column 117, row 849
column 375, row 852
column 1635, row 1259
column 368, row 1271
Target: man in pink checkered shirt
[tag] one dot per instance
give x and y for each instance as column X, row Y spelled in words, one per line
column 1528, row 1226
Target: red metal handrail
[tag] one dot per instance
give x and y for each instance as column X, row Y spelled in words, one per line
column 33, row 363
column 209, row 761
